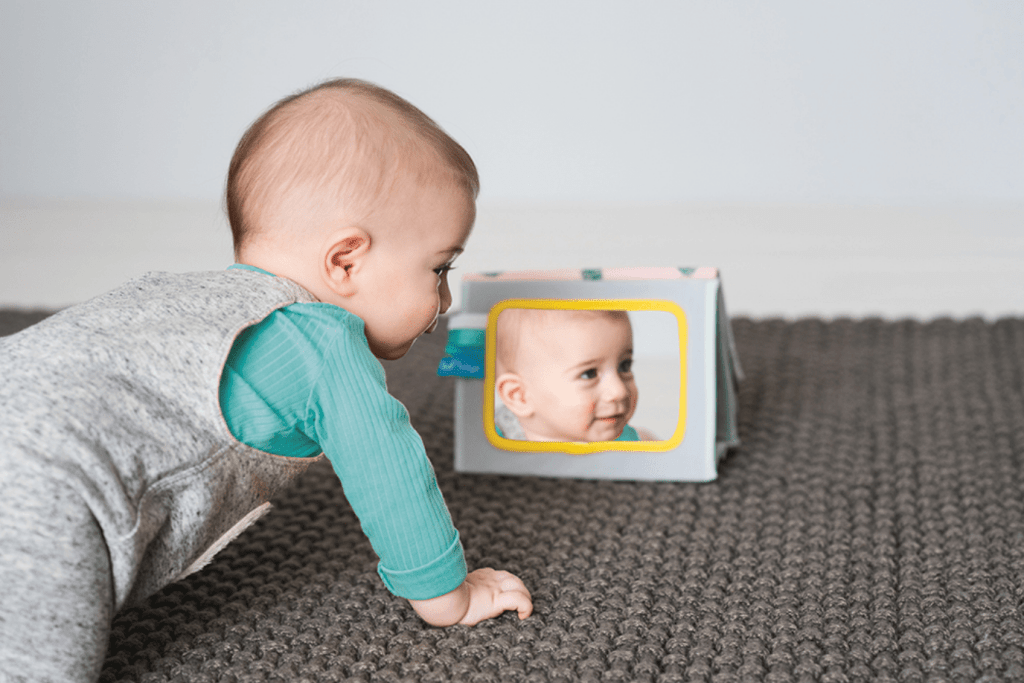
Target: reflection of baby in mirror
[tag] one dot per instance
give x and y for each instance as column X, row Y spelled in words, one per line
column 565, row 375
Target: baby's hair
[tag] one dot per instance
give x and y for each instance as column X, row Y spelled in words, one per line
column 342, row 143
column 515, row 323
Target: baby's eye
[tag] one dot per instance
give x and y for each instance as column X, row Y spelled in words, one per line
column 589, row 374
column 443, row 270
column 626, row 366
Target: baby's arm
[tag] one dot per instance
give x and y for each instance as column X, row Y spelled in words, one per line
column 484, row 594
column 390, row 483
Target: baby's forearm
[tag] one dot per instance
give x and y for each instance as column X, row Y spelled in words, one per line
column 484, row 594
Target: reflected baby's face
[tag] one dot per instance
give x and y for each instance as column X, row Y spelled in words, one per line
column 576, row 376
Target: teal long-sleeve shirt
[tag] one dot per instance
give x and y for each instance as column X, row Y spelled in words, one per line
column 304, row 381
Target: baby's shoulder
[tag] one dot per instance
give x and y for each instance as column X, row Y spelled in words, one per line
column 313, row 332
column 323, row 324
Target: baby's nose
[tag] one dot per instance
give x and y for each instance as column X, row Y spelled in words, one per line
column 615, row 389
column 445, row 294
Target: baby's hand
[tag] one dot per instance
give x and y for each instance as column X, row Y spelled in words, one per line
column 484, row 594
column 493, row 592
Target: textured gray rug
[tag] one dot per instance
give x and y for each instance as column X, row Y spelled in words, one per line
column 870, row 528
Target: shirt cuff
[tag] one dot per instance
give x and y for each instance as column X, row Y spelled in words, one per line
column 439, row 577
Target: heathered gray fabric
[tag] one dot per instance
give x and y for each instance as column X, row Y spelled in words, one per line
column 118, row 471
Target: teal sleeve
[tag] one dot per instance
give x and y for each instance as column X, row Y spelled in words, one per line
column 304, row 381
column 383, row 467
column 266, row 382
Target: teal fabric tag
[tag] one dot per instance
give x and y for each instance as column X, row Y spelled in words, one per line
column 245, row 266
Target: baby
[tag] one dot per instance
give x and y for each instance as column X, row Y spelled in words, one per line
column 143, row 430
column 566, row 375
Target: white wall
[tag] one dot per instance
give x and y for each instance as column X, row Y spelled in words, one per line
column 693, row 126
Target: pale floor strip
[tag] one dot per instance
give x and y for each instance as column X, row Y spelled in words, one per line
column 776, row 260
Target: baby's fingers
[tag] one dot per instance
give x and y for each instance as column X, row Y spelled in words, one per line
column 515, row 600
column 493, row 592
column 514, row 595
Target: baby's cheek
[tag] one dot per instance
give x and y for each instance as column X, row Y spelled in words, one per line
column 430, row 309
column 587, row 417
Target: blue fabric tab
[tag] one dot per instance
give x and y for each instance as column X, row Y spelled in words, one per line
column 463, row 354
column 459, row 339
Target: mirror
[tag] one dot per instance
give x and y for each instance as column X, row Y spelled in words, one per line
column 585, row 376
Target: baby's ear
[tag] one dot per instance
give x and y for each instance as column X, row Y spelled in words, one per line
column 343, row 256
column 512, row 392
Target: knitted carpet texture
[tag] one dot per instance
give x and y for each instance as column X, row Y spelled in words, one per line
column 869, row 528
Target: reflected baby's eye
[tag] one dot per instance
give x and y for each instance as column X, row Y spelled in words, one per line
column 626, row 366
column 589, row 374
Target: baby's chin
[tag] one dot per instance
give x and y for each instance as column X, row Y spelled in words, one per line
column 604, row 434
column 387, row 352
column 599, row 430
column 596, row 432
column 396, row 351
column 589, row 436
column 607, row 429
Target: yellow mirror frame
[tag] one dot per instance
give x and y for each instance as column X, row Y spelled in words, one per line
column 575, row 448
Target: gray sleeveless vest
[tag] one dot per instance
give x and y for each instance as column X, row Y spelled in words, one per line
column 118, row 398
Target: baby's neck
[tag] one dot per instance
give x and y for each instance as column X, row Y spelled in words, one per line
column 286, row 265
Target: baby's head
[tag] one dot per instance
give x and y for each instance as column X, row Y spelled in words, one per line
column 359, row 197
column 566, row 374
